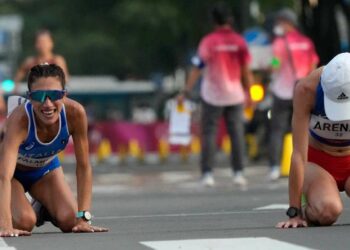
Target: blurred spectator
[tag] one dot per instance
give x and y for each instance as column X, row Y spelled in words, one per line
column 294, row 58
column 44, row 45
column 223, row 58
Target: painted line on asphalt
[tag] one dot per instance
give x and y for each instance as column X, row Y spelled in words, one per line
column 273, row 207
column 179, row 215
column 261, row 243
column 4, row 246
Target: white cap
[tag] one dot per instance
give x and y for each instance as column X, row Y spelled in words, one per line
column 335, row 81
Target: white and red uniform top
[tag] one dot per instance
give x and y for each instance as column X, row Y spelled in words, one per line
column 303, row 56
column 222, row 54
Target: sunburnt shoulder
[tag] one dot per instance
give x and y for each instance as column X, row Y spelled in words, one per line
column 306, row 88
column 310, row 82
column 76, row 115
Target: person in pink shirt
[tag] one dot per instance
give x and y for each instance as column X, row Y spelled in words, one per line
column 223, row 61
column 294, row 58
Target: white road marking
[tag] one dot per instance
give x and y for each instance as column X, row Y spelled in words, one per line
column 109, row 189
column 179, row 215
column 175, row 177
column 4, row 246
column 273, row 207
column 261, row 243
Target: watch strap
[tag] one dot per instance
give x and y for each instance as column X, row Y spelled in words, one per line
column 80, row 214
column 86, row 215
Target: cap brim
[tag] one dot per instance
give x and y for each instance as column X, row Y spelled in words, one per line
column 336, row 111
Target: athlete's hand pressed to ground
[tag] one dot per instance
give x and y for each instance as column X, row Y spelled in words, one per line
column 84, row 227
column 292, row 223
column 12, row 232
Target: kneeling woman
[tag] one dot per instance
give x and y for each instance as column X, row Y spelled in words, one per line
column 320, row 164
column 34, row 133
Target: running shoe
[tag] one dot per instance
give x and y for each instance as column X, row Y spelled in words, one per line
column 208, row 180
column 239, row 180
column 274, row 174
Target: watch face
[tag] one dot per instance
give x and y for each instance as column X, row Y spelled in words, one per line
column 87, row 215
column 292, row 212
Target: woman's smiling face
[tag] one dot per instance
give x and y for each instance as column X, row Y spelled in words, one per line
column 47, row 112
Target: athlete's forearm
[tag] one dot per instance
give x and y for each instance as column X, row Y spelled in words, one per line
column 5, row 204
column 84, row 187
column 302, row 105
column 296, row 179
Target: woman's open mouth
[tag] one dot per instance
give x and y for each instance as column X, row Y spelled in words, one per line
column 48, row 113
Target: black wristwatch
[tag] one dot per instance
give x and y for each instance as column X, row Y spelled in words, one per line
column 85, row 215
column 293, row 212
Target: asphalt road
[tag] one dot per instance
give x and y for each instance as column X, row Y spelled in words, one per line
column 166, row 209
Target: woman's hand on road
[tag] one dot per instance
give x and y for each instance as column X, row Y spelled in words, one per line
column 292, row 223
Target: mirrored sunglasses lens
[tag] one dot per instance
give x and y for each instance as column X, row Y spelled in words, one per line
column 55, row 95
column 38, row 96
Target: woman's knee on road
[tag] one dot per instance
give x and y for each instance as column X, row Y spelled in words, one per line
column 324, row 212
column 66, row 219
column 25, row 220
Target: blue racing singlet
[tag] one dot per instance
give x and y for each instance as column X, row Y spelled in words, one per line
column 34, row 153
column 332, row 133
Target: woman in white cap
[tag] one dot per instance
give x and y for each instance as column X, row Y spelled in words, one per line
column 320, row 164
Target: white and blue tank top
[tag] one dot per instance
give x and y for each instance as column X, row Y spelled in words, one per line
column 332, row 133
column 34, row 153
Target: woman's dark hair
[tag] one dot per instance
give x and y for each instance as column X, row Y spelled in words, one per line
column 221, row 14
column 46, row 70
